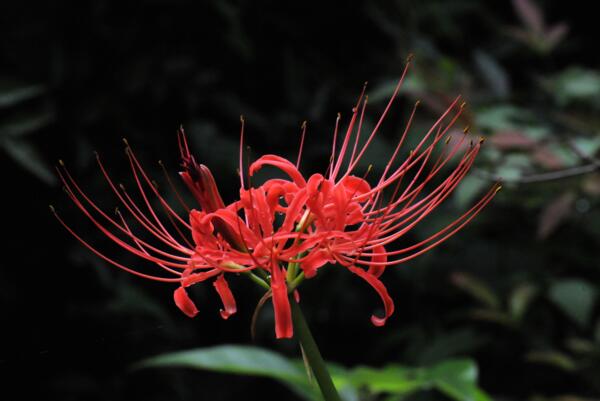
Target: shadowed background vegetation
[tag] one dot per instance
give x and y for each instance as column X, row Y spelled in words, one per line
column 516, row 292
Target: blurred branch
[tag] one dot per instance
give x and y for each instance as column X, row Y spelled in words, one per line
column 542, row 177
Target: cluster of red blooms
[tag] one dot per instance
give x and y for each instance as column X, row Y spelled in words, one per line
column 285, row 230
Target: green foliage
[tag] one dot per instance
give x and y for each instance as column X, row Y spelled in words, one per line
column 576, row 298
column 575, row 85
column 456, row 379
column 19, row 124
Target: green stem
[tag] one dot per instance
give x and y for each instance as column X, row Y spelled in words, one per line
column 258, row 280
column 296, row 282
column 313, row 355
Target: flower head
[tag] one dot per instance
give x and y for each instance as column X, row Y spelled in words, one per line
column 287, row 229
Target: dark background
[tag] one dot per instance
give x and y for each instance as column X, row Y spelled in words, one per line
column 77, row 76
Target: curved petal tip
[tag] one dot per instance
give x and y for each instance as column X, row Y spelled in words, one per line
column 183, row 302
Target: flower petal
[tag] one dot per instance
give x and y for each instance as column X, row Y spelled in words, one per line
column 316, row 259
column 183, row 302
column 229, row 306
column 283, row 164
column 388, row 304
column 281, row 305
column 193, row 278
column 355, row 186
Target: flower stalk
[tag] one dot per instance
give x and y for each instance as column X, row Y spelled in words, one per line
column 313, row 355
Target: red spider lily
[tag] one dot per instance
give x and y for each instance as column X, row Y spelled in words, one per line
column 337, row 217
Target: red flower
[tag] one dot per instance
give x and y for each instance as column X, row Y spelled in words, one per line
column 336, row 217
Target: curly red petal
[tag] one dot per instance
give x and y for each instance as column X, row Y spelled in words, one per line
column 183, row 302
column 229, row 306
column 281, row 163
column 378, row 286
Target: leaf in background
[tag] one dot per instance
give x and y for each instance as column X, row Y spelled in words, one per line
column 27, row 156
column 458, row 380
column 513, row 166
column 470, row 187
column 520, row 299
column 575, row 298
column 530, row 14
column 575, row 84
column 555, row 213
column 591, row 184
column 25, row 124
column 547, row 157
column 558, row 156
column 451, row 344
column 555, row 34
column 552, row 358
column 587, row 147
column 239, row 360
column 455, row 378
column 11, row 94
column 493, row 316
column 493, row 73
column 132, row 300
column 502, row 117
column 582, row 346
column 382, row 91
column 389, row 379
column 505, row 140
column 476, row 288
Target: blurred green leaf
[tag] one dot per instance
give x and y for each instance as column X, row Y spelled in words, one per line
column 450, row 344
column 494, row 75
column 552, row 358
column 25, row 123
column 575, row 84
column 27, row 156
column 382, row 91
column 240, row 360
column 513, row 167
column 469, row 188
column 588, row 146
column 494, row 316
column 457, row 379
column 501, row 117
column 520, row 299
column 132, row 300
column 575, row 298
column 581, row 346
column 477, row 289
column 11, row 93
column 390, row 379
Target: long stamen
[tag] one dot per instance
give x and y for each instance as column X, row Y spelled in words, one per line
column 173, row 187
column 137, row 166
column 348, row 134
column 383, row 115
column 241, row 153
column 329, row 171
column 108, row 218
column 106, row 258
column 124, row 244
column 303, row 127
